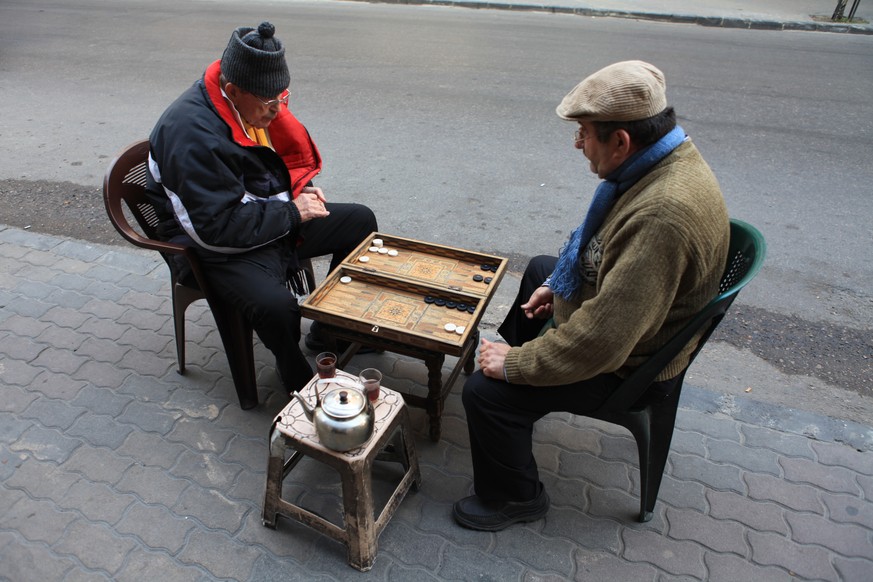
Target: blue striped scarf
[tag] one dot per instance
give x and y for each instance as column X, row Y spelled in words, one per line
column 566, row 280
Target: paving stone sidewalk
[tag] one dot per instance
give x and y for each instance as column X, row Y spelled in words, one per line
column 114, row 467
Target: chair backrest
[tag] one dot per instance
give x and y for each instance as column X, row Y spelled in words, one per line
column 124, row 185
column 745, row 257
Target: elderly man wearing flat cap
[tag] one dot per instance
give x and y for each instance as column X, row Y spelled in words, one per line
column 647, row 257
column 230, row 172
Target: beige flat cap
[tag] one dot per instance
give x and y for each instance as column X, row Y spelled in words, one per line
column 625, row 91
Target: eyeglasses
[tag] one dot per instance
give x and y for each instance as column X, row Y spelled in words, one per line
column 281, row 100
column 581, row 134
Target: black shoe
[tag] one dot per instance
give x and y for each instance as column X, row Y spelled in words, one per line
column 476, row 513
column 313, row 343
column 314, row 339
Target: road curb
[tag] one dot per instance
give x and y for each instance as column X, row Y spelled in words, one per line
column 778, row 417
column 710, row 21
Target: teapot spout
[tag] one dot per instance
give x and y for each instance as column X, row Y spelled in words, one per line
column 307, row 409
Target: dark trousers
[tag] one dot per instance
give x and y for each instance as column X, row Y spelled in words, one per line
column 500, row 416
column 337, row 234
column 255, row 282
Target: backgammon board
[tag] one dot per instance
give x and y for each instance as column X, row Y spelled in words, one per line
column 429, row 295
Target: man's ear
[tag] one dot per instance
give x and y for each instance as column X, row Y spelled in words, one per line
column 623, row 142
column 622, row 146
column 232, row 91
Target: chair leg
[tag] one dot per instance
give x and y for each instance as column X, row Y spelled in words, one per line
column 652, row 428
column 236, row 335
column 662, row 419
column 179, row 325
column 308, row 274
column 182, row 297
column 639, row 424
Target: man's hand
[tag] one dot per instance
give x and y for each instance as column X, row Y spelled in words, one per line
column 310, row 203
column 492, row 356
column 539, row 306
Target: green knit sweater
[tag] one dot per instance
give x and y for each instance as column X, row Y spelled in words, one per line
column 654, row 263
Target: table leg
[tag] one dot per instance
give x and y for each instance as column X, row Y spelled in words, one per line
column 470, row 362
column 434, row 364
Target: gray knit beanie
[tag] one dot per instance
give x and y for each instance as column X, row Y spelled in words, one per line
column 254, row 61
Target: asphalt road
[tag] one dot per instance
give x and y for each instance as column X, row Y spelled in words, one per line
column 443, row 121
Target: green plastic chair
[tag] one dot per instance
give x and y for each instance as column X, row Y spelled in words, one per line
column 652, row 425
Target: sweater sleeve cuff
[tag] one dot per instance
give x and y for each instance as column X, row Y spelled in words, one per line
column 510, row 368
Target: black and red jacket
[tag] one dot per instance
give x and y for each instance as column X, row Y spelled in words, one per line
column 213, row 185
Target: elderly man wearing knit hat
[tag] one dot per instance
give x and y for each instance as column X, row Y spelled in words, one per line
column 646, row 258
column 230, row 173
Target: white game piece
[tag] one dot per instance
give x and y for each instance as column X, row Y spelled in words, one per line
column 345, row 279
column 377, row 242
column 460, row 330
column 392, row 253
column 450, row 327
column 364, row 259
column 374, row 249
column 383, row 251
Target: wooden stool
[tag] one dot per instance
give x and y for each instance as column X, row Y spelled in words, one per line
column 292, row 430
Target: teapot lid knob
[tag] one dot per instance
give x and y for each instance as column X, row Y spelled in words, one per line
column 343, row 403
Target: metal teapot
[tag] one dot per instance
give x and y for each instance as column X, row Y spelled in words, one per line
column 343, row 418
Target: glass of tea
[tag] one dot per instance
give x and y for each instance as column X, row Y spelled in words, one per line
column 325, row 362
column 371, row 379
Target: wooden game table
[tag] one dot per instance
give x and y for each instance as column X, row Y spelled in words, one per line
column 409, row 297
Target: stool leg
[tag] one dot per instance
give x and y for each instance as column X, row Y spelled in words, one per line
column 275, row 475
column 410, row 462
column 358, row 508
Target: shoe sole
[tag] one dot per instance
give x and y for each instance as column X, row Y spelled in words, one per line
column 533, row 515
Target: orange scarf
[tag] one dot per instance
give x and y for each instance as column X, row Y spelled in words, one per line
column 259, row 136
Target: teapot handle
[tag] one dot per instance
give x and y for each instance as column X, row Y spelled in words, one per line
column 339, row 380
